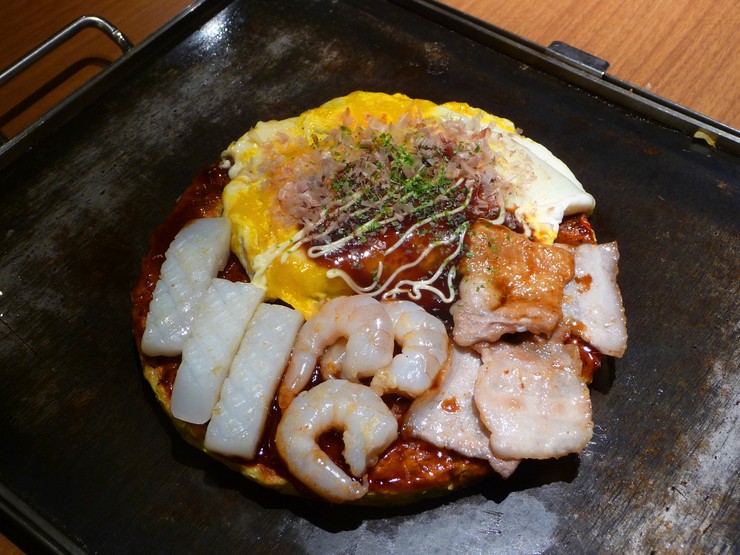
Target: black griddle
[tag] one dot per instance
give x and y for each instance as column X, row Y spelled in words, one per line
column 88, row 462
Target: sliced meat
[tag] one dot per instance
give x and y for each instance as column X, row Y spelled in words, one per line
column 592, row 302
column 532, row 398
column 446, row 416
column 509, row 284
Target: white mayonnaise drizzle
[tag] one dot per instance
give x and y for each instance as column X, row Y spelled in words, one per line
column 379, row 287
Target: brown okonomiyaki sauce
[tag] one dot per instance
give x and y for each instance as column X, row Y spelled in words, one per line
column 409, row 464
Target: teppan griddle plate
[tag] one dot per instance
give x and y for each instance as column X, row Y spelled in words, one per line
column 88, row 461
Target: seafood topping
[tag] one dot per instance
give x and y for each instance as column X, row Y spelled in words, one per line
column 354, row 338
column 247, row 393
column 369, row 428
column 193, row 259
column 423, row 340
column 368, row 331
column 221, row 318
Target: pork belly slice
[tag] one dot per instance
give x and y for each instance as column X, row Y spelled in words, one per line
column 219, row 324
column 446, row 416
column 533, row 400
column 192, row 260
column 248, row 391
column 592, row 302
column 509, row 285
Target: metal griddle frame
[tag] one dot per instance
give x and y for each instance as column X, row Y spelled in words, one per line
column 558, row 59
column 561, row 60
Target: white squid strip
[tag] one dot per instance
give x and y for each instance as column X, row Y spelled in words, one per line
column 248, row 391
column 218, row 327
column 192, row 260
column 533, row 399
column 446, row 417
column 593, row 302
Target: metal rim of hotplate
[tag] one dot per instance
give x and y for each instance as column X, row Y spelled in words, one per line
column 576, row 67
column 132, row 58
column 559, row 59
column 582, row 70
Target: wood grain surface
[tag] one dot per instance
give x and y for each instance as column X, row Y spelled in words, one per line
column 683, row 50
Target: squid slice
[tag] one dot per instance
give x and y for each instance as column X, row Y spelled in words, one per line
column 192, row 260
column 532, row 398
column 592, row 302
column 248, row 391
column 218, row 327
column 446, row 416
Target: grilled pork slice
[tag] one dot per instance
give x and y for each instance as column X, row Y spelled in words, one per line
column 533, row 399
column 447, row 417
column 592, row 303
column 509, row 285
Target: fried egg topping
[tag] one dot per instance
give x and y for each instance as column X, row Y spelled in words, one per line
column 374, row 193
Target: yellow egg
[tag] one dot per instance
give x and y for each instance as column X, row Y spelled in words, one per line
column 267, row 162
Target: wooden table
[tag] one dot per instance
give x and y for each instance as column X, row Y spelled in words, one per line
column 684, row 50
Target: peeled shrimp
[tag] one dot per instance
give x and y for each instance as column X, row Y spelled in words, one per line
column 360, row 319
column 331, row 360
column 369, row 428
column 424, row 341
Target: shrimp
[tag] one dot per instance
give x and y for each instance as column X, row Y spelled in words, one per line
column 424, row 341
column 369, row 429
column 331, row 360
column 360, row 319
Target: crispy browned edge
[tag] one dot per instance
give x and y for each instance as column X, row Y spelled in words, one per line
column 466, row 474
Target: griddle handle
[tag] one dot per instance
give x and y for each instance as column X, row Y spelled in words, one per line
column 578, row 58
column 84, row 22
